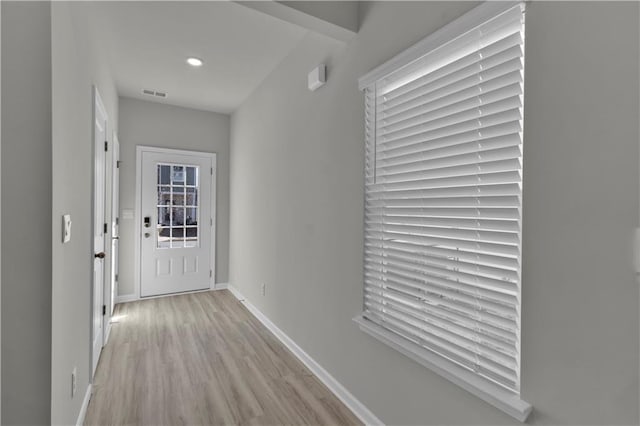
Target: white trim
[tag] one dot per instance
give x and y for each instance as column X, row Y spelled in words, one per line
column 138, row 218
column 220, row 286
column 213, row 208
column 500, row 398
column 235, row 293
column 126, row 298
column 85, row 405
column 465, row 23
column 357, row 407
column 98, row 104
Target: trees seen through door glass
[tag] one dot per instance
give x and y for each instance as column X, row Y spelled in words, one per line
column 177, row 221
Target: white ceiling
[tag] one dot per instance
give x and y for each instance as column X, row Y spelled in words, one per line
column 147, row 43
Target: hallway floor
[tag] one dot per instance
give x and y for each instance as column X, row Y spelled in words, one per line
column 203, row 359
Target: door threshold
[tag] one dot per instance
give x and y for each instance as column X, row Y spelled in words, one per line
column 217, row 287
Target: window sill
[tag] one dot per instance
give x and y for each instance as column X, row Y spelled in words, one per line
column 494, row 395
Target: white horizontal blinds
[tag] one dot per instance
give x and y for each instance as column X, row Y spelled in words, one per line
column 444, row 196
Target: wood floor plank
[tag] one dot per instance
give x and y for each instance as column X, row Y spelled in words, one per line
column 203, row 359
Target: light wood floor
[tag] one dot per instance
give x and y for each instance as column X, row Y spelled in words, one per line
column 203, row 359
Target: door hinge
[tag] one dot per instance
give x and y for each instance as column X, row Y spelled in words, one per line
column 104, row 310
column 105, row 228
column 118, row 164
column 212, row 171
column 211, row 222
column 116, row 277
column 117, row 220
column 210, row 273
column 106, row 146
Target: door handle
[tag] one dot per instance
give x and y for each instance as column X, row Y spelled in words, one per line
column 100, row 255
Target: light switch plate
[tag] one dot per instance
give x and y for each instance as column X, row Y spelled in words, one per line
column 66, row 228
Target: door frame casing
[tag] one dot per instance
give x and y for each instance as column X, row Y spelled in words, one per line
column 140, row 149
column 113, row 189
column 96, row 146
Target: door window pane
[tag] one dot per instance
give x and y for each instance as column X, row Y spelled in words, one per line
column 164, row 216
column 178, row 195
column 164, row 195
column 164, row 174
column 191, row 236
column 178, row 176
column 177, row 240
column 177, row 216
column 191, row 216
column 192, row 176
column 192, row 197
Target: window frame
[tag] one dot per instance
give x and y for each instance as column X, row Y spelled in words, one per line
column 503, row 399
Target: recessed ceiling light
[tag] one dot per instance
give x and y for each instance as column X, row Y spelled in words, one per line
column 194, row 62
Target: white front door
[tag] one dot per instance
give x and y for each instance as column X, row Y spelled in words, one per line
column 177, row 217
column 99, row 225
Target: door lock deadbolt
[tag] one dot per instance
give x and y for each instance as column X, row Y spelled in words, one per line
column 147, row 221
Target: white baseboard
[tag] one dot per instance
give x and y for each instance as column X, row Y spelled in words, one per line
column 85, row 404
column 235, row 292
column 357, row 407
column 126, row 298
column 220, row 286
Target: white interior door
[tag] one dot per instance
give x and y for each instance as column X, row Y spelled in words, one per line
column 115, row 219
column 177, row 218
column 99, row 225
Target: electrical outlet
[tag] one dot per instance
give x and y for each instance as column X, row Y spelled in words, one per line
column 264, row 289
column 74, row 381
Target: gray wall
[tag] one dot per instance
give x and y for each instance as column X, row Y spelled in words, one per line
column 297, row 203
column 76, row 66
column 26, row 204
column 166, row 126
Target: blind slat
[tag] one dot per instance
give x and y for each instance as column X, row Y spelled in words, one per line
column 476, row 344
column 381, row 247
column 468, row 333
column 458, row 191
column 485, row 212
column 510, row 83
column 475, row 308
column 453, row 263
column 477, row 169
column 446, row 313
column 503, row 49
column 479, row 246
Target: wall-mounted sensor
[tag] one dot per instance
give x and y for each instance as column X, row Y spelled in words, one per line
column 317, row 77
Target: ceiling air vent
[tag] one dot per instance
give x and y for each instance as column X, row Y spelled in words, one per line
column 155, row 93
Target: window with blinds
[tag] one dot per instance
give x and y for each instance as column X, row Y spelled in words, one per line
column 443, row 202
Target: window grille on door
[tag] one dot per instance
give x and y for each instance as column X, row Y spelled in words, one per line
column 177, row 207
